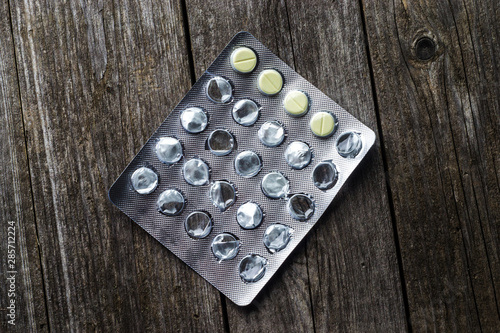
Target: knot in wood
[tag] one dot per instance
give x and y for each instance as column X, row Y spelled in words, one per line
column 425, row 48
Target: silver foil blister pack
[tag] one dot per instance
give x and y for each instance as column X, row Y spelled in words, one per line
column 231, row 182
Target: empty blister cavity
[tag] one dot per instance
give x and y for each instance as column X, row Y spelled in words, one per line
column 170, row 202
column 247, row 164
column 220, row 142
column 219, row 90
column 245, row 112
column 198, row 224
column 271, row 133
column 325, row 175
column 243, row 60
column 252, row 268
column 196, row 172
column 298, row 155
column 225, row 246
column 144, row 180
column 270, row 82
column 296, row 103
column 301, row 207
column 222, row 194
column 249, row 215
column 194, row 120
column 274, row 185
column 323, row 124
column 277, row 236
column 168, row 150
column 349, row 144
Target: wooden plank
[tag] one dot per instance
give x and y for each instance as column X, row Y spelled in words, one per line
column 440, row 116
column 352, row 261
column 25, row 287
column 96, row 79
column 354, row 283
column 285, row 299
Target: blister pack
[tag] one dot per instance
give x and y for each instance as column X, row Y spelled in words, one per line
column 242, row 168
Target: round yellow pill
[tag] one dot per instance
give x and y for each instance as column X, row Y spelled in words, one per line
column 270, row 82
column 296, row 103
column 243, row 60
column 323, row 124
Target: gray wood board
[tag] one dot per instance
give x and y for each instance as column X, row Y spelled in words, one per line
column 347, row 275
column 22, row 282
column 439, row 114
column 286, row 298
column 83, row 84
column 96, row 79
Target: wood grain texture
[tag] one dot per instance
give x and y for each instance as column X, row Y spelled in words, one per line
column 440, row 122
column 286, row 298
column 16, row 205
column 96, row 79
column 84, row 83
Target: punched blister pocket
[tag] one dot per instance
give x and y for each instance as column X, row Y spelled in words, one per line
column 242, row 168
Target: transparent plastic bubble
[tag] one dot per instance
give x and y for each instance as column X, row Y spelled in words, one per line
column 325, row 175
column 247, row 164
column 220, row 142
column 194, row 120
column 271, row 133
column 225, row 246
column 170, row 202
column 277, row 236
column 198, row 224
column 144, row 180
column 298, row 155
column 168, row 150
column 252, row 268
column 245, row 112
column 222, row 194
column 275, row 185
column 219, row 90
column 249, row 215
column 196, row 172
column 301, row 207
column 349, row 144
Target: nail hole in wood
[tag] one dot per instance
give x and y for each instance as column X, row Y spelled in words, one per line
column 425, row 48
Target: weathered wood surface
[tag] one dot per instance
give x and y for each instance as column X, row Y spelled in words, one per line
column 440, row 120
column 411, row 244
column 340, row 265
column 17, row 202
column 95, row 79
